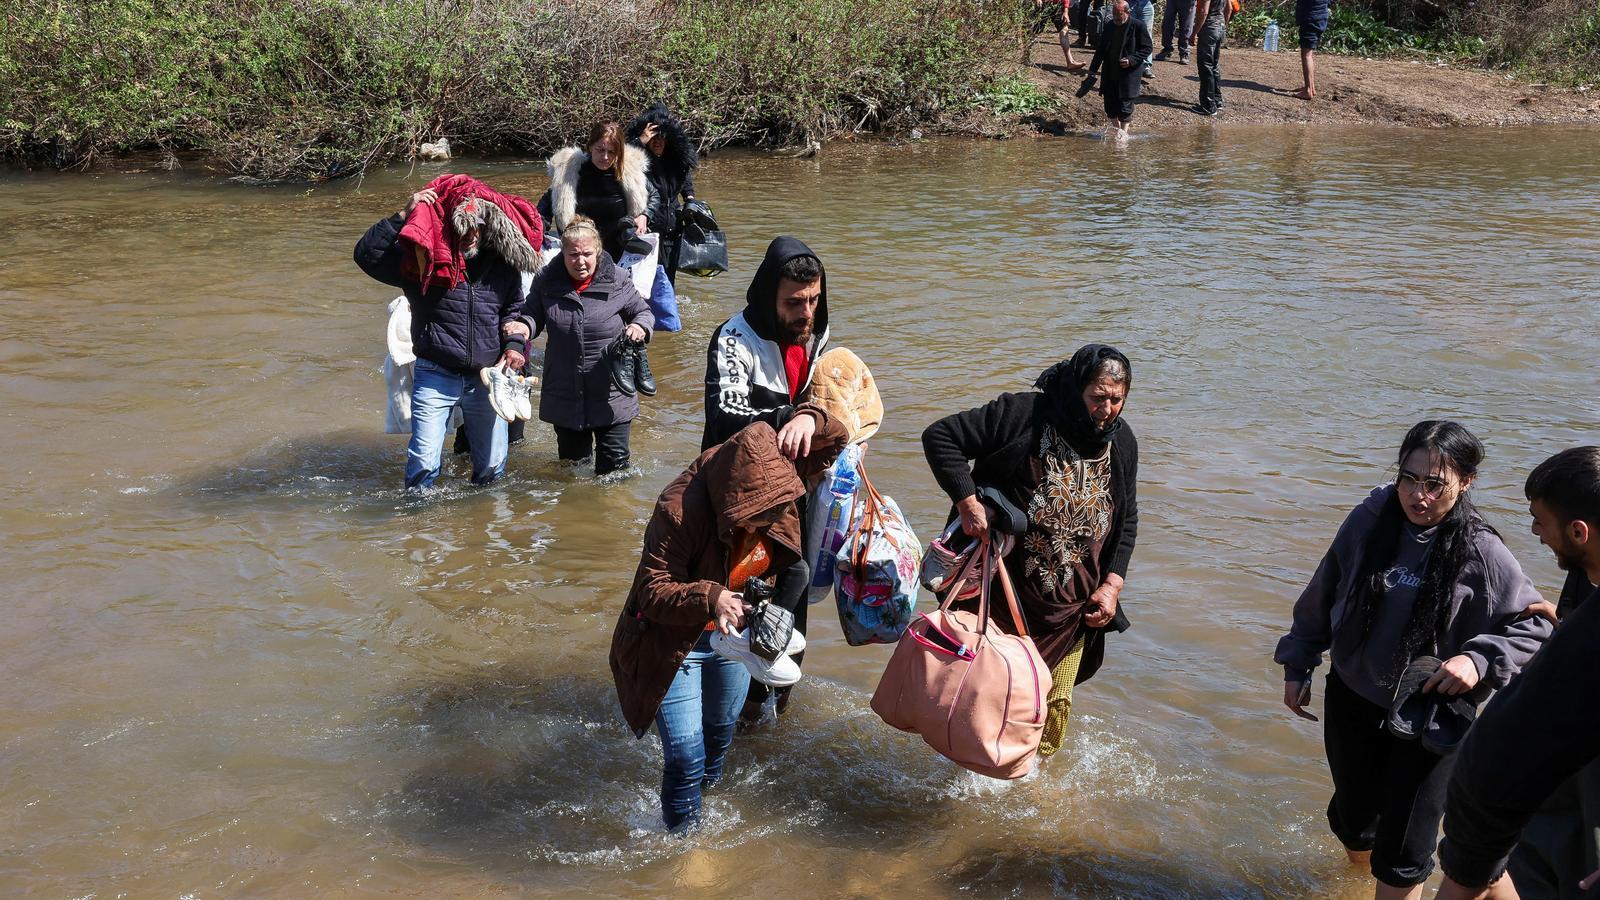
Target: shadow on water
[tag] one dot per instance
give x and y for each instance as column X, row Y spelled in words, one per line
column 1011, row 871
column 519, row 770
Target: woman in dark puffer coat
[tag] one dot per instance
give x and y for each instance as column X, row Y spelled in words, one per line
column 584, row 301
column 672, row 163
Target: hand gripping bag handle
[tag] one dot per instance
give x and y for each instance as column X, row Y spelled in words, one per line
column 984, row 556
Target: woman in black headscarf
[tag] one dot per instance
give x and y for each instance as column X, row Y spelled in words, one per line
column 672, row 164
column 1064, row 456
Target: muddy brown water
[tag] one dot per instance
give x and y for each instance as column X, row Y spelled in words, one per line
column 238, row 661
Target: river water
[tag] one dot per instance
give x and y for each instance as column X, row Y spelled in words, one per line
column 239, row 661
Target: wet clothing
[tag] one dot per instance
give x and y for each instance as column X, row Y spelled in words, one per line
column 456, row 328
column 1530, row 738
column 1311, row 19
column 687, row 548
column 608, row 443
column 1015, row 447
column 1388, row 794
column 1118, row 86
column 1490, row 594
column 611, row 198
column 696, row 723
column 575, row 390
column 747, row 377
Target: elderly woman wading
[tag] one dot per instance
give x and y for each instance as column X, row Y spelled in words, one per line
column 1065, row 456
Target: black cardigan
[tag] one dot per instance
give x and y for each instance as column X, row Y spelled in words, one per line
column 998, row 439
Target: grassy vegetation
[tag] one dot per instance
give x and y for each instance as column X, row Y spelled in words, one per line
column 322, row 88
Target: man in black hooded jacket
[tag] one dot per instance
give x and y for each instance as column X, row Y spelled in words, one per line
column 759, row 361
column 759, row 365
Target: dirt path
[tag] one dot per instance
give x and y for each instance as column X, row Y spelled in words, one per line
column 1352, row 89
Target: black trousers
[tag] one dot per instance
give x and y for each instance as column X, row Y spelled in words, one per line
column 1212, row 34
column 1177, row 20
column 608, row 442
column 1388, row 794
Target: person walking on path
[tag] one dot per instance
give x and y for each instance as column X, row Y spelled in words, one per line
column 1414, row 575
column 1177, row 24
column 1213, row 16
column 1057, row 14
column 733, row 510
column 1118, row 61
column 586, row 304
column 1065, row 456
column 1311, row 18
column 459, row 250
column 1540, row 731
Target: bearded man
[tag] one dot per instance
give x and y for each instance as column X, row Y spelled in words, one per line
column 758, row 369
column 759, row 363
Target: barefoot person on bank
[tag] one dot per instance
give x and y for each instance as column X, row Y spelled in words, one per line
column 1311, row 19
column 1414, row 576
column 1119, row 60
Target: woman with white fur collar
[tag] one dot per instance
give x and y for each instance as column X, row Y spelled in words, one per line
column 603, row 180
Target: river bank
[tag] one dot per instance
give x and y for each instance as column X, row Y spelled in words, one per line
column 1354, row 90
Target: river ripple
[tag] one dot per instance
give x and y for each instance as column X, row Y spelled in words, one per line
column 239, row 660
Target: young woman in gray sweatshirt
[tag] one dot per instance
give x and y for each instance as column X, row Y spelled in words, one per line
column 1414, row 571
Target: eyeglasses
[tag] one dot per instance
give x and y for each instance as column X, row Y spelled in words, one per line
column 1431, row 488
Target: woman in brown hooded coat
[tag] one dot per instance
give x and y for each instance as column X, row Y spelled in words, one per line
column 733, row 508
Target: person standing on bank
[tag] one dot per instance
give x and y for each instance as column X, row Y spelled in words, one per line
column 1177, row 23
column 758, row 367
column 671, row 175
column 1213, row 16
column 1065, row 455
column 1414, row 571
column 585, row 302
column 1118, row 60
column 1311, row 20
column 459, row 250
column 604, row 180
column 730, row 516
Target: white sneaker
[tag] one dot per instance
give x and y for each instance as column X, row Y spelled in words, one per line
column 502, row 393
column 780, row 673
column 524, row 396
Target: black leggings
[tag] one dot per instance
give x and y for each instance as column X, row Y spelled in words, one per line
column 1388, row 794
column 609, row 443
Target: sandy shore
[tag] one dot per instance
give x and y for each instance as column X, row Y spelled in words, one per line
column 1255, row 86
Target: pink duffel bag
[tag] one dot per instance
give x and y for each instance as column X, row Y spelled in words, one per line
column 974, row 693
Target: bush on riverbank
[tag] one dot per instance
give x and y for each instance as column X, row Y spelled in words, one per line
column 1554, row 39
column 322, row 88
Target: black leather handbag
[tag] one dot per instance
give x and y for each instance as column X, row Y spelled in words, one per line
column 771, row 625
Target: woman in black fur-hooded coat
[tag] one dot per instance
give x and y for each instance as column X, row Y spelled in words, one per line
column 672, row 163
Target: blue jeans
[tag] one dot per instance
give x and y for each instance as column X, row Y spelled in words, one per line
column 435, row 391
column 1144, row 12
column 695, row 724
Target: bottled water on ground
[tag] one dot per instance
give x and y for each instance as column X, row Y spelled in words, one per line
column 1269, row 42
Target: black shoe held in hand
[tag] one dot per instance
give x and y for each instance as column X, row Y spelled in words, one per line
column 643, row 380
column 619, row 357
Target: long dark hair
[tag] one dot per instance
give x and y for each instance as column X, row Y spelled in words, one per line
column 1452, row 544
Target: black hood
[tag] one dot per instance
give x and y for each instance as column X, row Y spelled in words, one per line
column 761, row 300
column 679, row 156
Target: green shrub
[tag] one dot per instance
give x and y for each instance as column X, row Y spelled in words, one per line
column 322, row 88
